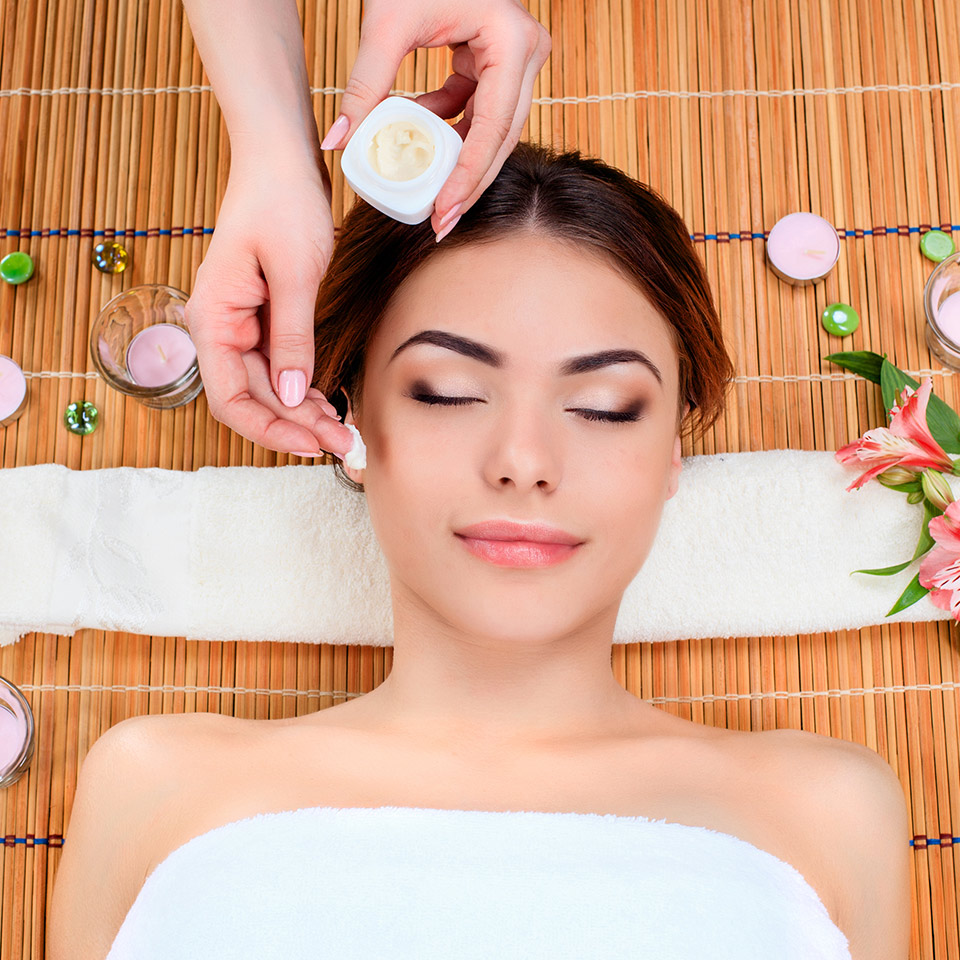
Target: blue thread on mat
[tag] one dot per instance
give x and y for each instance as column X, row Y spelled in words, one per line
column 722, row 236
column 54, row 840
column 937, row 841
column 64, row 232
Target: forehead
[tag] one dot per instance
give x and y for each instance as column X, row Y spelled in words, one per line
column 531, row 296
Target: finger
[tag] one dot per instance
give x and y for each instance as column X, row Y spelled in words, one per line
column 465, row 125
column 450, row 99
column 293, row 296
column 233, row 404
column 314, row 394
column 324, row 432
column 382, row 47
column 220, row 343
column 501, row 78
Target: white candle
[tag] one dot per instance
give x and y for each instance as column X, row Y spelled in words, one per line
column 802, row 248
column 13, row 391
column 948, row 317
column 160, row 355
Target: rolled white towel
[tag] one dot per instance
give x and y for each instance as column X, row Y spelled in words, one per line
column 752, row 544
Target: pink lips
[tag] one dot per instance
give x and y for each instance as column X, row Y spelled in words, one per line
column 507, row 543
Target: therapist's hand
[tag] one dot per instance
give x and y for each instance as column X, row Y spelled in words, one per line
column 498, row 50
column 252, row 306
column 256, row 289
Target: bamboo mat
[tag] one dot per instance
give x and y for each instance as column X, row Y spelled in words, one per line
column 738, row 112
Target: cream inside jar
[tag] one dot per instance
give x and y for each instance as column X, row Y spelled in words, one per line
column 401, row 150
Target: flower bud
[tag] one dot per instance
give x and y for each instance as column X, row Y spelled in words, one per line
column 896, row 475
column 915, row 496
column 936, row 489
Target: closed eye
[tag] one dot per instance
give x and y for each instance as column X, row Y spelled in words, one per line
column 607, row 416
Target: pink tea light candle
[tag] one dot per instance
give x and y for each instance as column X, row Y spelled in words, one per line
column 13, row 391
column 160, row 355
column 140, row 345
column 802, row 248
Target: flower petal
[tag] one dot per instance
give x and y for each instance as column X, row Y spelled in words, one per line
column 946, row 531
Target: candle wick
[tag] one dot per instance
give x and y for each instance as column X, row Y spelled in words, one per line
column 162, row 354
column 815, row 253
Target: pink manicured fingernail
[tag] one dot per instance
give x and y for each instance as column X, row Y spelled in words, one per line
column 293, row 386
column 447, row 229
column 335, row 133
column 452, row 212
column 298, row 453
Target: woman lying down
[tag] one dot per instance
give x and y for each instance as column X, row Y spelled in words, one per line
column 521, row 389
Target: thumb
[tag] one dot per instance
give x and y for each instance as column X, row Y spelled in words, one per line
column 374, row 72
column 292, row 303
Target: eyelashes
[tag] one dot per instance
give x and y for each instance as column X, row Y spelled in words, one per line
column 605, row 416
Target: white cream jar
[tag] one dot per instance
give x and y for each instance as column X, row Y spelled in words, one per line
column 399, row 158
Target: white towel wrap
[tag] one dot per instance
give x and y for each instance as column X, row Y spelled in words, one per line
column 396, row 883
column 752, row 544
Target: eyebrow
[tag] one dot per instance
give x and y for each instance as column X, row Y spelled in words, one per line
column 494, row 358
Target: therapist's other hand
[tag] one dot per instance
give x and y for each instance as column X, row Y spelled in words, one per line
column 498, row 50
column 272, row 243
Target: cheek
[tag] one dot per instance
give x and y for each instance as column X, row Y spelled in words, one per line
column 629, row 488
column 407, row 473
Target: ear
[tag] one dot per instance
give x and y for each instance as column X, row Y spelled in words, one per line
column 676, row 464
column 352, row 472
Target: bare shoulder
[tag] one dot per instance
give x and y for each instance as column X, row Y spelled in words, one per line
column 856, row 806
column 129, row 785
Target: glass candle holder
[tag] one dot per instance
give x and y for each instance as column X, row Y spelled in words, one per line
column 141, row 346
column 16, row 733
column 941, row 305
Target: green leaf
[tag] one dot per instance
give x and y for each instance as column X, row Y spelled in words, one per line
column 944, row 424
column 910, row 595
column 942, row 419
column 866, row 363
column 912, row 486
column 886, row 571
column 892, row 381
column 926, row 541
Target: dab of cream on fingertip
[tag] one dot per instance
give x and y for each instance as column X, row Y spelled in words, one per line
column 356, row 456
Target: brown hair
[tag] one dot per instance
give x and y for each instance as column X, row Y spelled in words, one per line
column 563, row 195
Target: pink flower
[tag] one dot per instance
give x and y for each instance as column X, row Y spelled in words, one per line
column 940, row 568
column 906, row 443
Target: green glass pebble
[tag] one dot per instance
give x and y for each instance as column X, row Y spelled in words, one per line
column 16, row 267
column 81, row 418
column 840, row 319
column 936, row 245
column 110, row 257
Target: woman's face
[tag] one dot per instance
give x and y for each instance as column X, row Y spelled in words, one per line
column 523, row 448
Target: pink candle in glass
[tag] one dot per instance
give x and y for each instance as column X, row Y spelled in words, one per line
column 802, row 248
column 159, row 355
column 948, row 317
column 13, row 391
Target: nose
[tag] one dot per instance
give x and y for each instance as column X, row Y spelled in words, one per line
column 526, row 450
